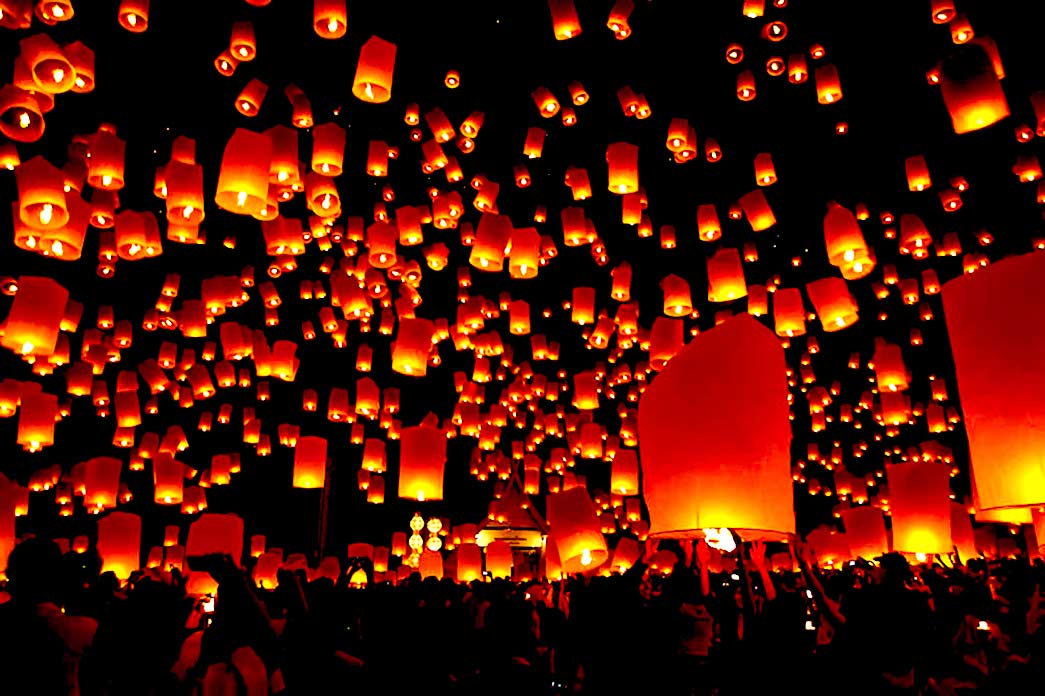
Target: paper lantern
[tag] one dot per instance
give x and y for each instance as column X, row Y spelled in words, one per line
column 565, row 22
column 833, row 302
column 422, row 455
column 412, row 346
column 919, row 500
column 524, row 257
column 624, row 473
column 757, row 211
column 865, row 531
column 21, row 118
column 971, row 90
column 310, row 462
column 430, row 565
column 373, row 79
column 575, row 531
column 133, row 15
column 214, row 533
column 330, row 18
column 714, row 436
column 846, row 248
column 666, row 340
column 622, row 159
column 469, row 563
column 119, row 543
column 828, row 86
column 499, row 559
column 35, row 317
column 789, row 315
column 996, row 329
column 243, row 181
column 725, row 276
column 328, row 149
column 41, row 195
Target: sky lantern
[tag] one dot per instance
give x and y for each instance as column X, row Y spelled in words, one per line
column 51, row 70
column 919, row 502
column 119, row 543
column 846, row 248
column 35, row 317
column 185, row 193
column 622, row 160
column 21, row 117
column 524, row 256
column 865, row 531
column 889, row 367
column 328, row 149
column 828, row 86
column 41, row 195
column 714, row 436
column 492, row 238
column 36, row 418
column 133, row 15
column 168, row 479
column 708, row 224
column 422, row 455
column 243, row 181
column 330, row 18
column 666, row 340
column 677, row 299
column 757, row 211
column 412, row 346
column 624, row 472
column 996, row 329
column 310, row 462
column 725, row 276
column 469, row 563
column 218, row 533
column 575, row 530
column 789, row 315
column 971, row 89
column 373, row 79
column 499, row 559
column 105, row 166
column 565, row 22
column 833, row 302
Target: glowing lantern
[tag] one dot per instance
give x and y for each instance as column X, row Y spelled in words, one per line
column 51, row 71
column 243, row 181
column 994, row 320
column 789, row 315
column 36, row 417
column 41, row 195
column 701, row 466
column 119, row 543
column 524, row 257
column 757, row 211
column 310, row 462
column 765, row 172
column 469, row 563
column 35, row 317
column 828, row 86
column 575, row 531
column 834, row 304
column 422, row 454
column 666, row 340
column 677, row 299
column 622, row 160
column 919, row 501
column 328, row 149
column 565, row 22
column 330, row 18
column 624, row 473
column 215, row 533
column 373, row 79
column 168, row 479
column 865, row 531
column 105, row 166
column 412, row 346
column 499, row 559
column 491, row 240
column 971, row 89
column 725, row 276
column 846, row 248
column 889, row 367
column 21, row 118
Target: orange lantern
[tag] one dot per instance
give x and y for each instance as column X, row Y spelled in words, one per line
column 833, row 302
column 702, row 466
column 330, row 18
column 919, row 501
column 622, row 160
column 422, row 455
column 373, row 79
column 119, row 543
column 310, row 462
column 575, row 530
column 971, row 89
column 725, row 276
column 565, row 22
column 994, row 320
column 243, row 181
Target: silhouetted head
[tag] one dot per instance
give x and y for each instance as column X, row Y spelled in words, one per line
column 34, row 569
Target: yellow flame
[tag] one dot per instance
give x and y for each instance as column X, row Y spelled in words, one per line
column 46, row 214
column 241, row 199
column 24, row 121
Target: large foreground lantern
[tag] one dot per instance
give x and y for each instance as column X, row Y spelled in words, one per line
column 714, row 437
column 919, row 500
column 996, row 322
column 33, row 324
column 971, row 89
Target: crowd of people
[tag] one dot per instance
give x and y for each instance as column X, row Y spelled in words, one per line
column 948, row 626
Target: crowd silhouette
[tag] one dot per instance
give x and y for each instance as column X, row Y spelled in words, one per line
column 887, row 626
